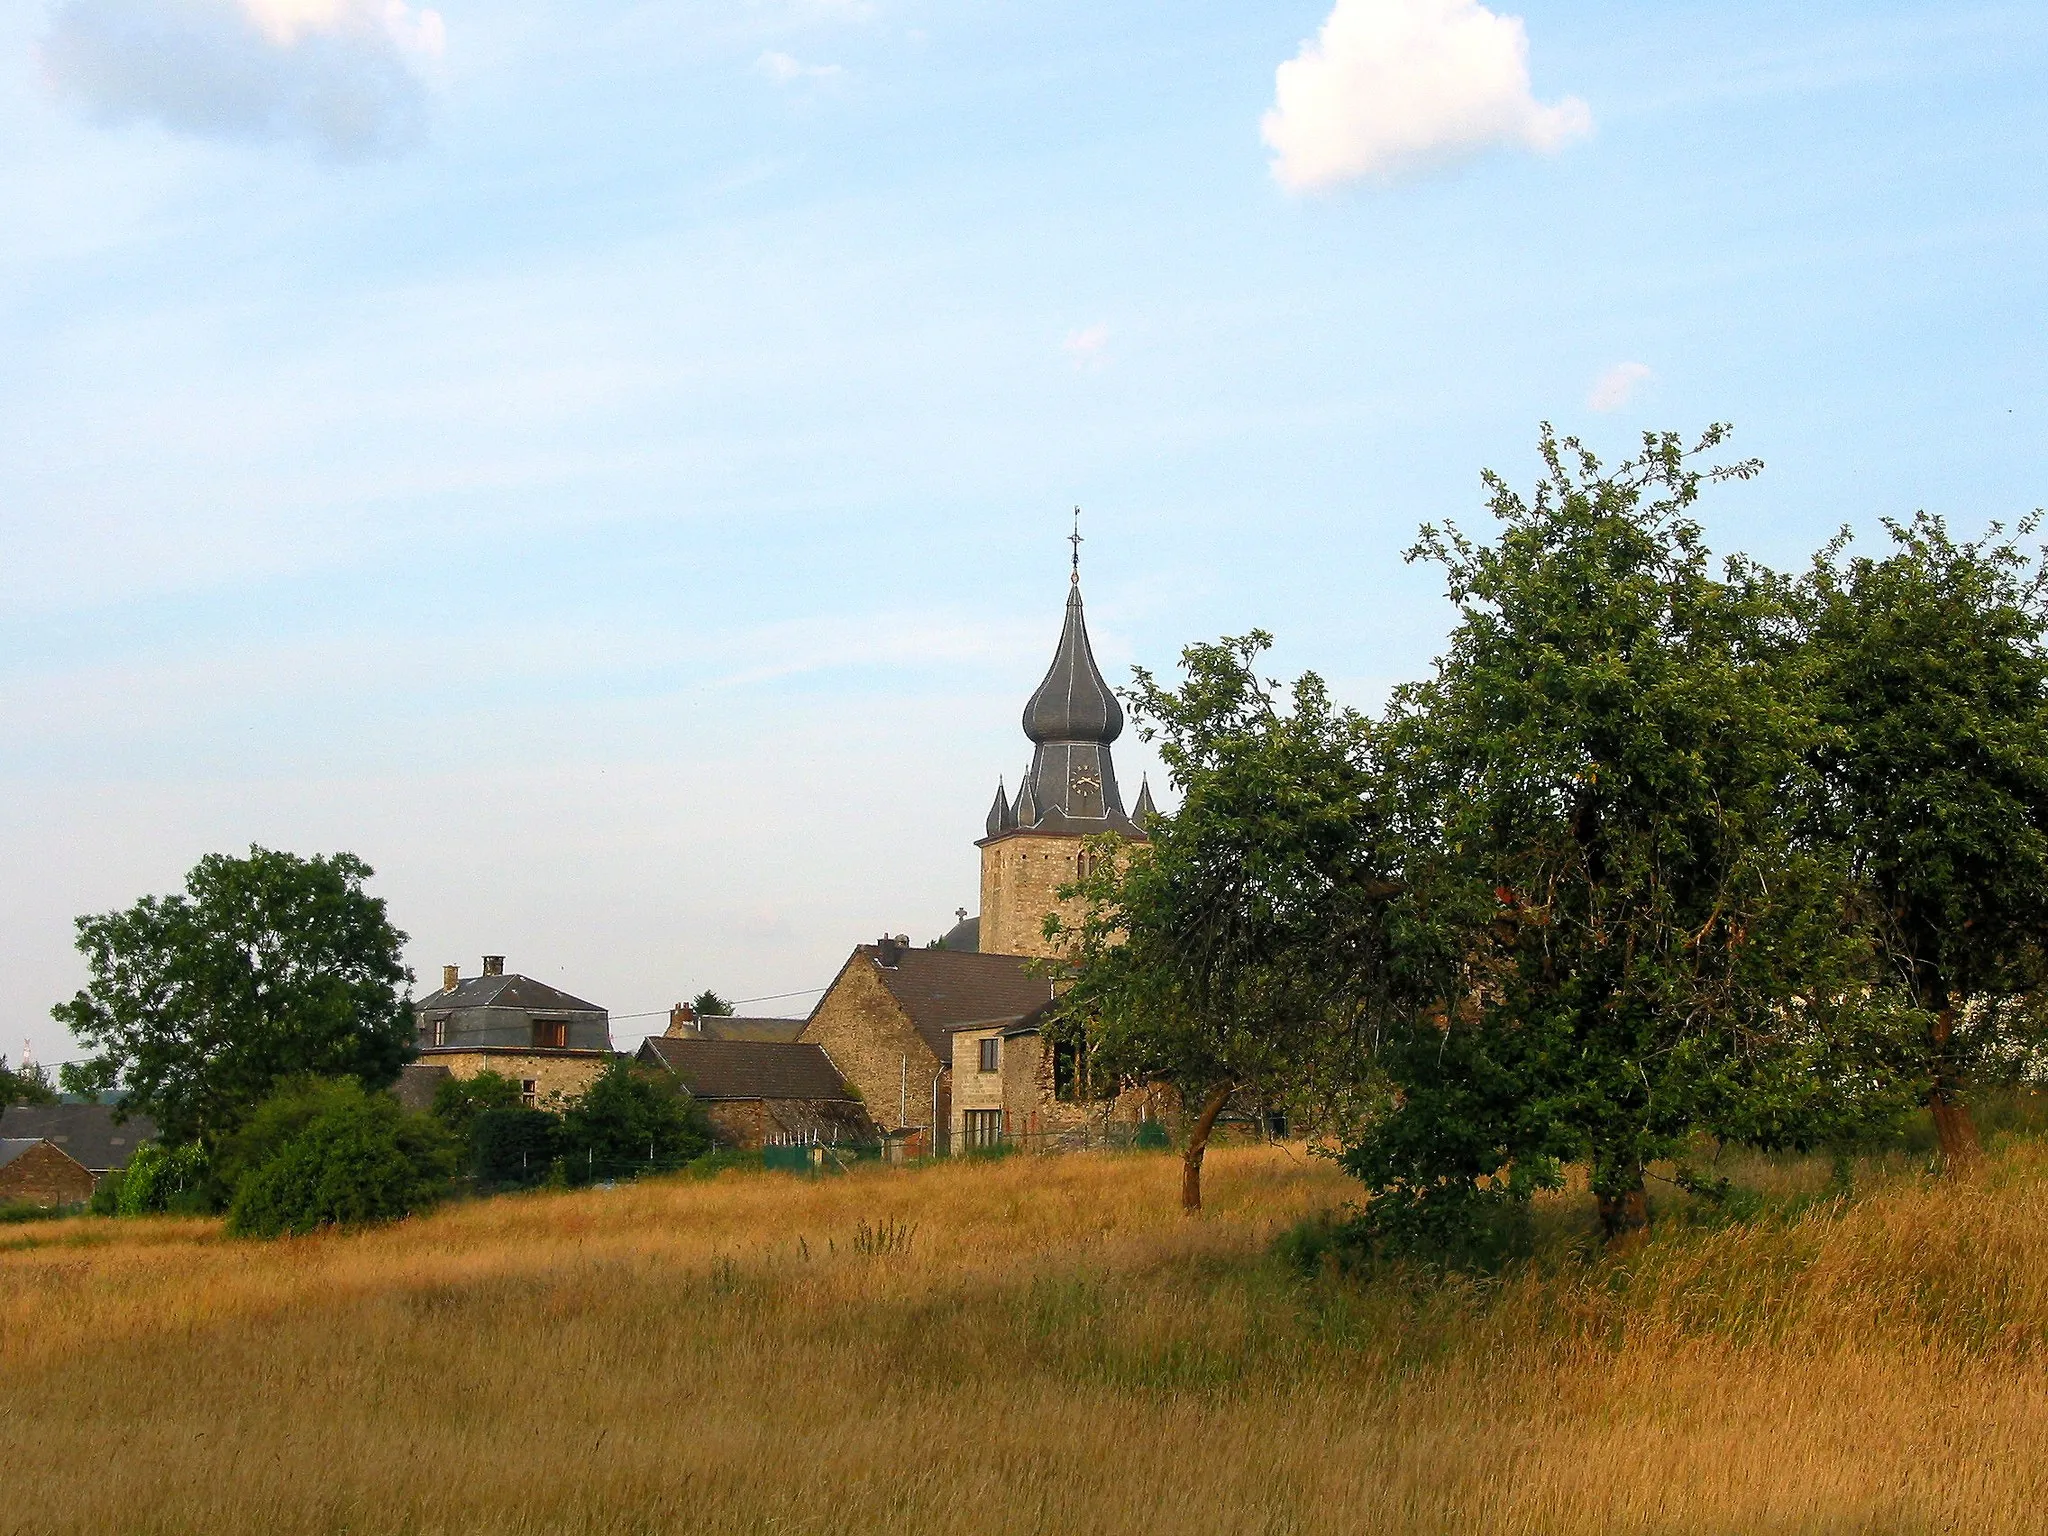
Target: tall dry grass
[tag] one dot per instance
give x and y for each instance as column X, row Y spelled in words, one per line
column 1031, row 1345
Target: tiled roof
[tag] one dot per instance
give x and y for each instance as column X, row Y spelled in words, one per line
column 940, row 988
column 505, row 992
column 748, row 1069
column 86, row 1131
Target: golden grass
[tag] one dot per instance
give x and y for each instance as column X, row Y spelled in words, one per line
column 1054, row 1350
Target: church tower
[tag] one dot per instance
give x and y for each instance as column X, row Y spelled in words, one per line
column 1034, row 841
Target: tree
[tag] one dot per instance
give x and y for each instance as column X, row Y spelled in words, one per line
column 513, row 1146
column 459, row 1100
column 1932, row 680
column 29, row 1084
column 360, row 1159
column 1613, row 754
column 632, row 1121
column 709, row 1005
column 1251, row 943
column 265, row 968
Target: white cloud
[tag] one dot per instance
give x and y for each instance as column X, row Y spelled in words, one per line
column 1086, row 346
column 783, row 69
column 348, row 75
column 1614, row 388
column 1391, row 87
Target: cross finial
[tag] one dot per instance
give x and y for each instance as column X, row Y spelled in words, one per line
column 1075, row 539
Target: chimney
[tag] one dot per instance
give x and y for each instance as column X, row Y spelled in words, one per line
column 451, row 977
column 682, row 1020
column 888, row 951
column 494, row 965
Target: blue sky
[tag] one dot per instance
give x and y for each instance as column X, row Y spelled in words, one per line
column 608, row 465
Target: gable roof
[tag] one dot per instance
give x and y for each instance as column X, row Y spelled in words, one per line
column 85, row 1132
column 12, row 1147
column 940, row 988
column 748, row 1069
column 505, row 992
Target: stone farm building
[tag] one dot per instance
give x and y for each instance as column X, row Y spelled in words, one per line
column 34, row 1171
column 87, row 1133
column 760, row 1093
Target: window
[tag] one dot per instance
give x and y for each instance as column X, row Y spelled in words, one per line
column 1084, row 865
column 437, row 1030
column 550, row 1034
column 991, row 1054
column 529, row 1092
column 1069, row 1071
column 984, row 1127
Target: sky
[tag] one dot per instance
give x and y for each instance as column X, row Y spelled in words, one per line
column 609, row 465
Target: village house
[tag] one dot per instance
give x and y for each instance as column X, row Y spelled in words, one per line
column 87, row 1133
column 553, row 1045
column 34, row 1171
column 684, row 1021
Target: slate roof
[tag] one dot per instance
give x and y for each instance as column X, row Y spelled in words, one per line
column 964, row 936
column 505, row 992
column 12, row 1147
column 748, row 1069
column 1073, row 703
column 86, row 1132
column 941, row 988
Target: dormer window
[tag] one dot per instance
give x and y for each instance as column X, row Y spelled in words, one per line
column 550, row 1034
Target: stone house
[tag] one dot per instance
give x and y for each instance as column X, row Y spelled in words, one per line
column 684, row 1022
column 886, row 1022
column 553, row 1045
column 34, row 1171
column 760, row 1093
column 1014, row 1082
column 87, row 1133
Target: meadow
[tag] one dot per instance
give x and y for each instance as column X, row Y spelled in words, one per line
column 1033, row 1345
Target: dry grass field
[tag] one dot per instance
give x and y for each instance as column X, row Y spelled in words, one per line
column 1028, row 1345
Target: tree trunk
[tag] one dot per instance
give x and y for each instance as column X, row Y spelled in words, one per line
column 1624, row 1211
column 1198, row 1143
column 1954, row 1127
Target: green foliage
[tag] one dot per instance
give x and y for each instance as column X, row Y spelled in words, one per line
column 160, row 1178
column 1608, row 775
column 267, row 967
column 1258, row 938
column 709, row 1005
column 512, row 1147
column 459, row 1100
column 360, row 1158
column 631, row 1122
column 279, row 1119
column 29, row 1085
column 1930, row 679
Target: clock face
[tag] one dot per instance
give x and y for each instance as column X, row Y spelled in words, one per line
column 1083, row 781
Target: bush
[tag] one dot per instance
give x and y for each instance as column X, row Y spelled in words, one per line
column 459, row 1100
column 513, row 1148
column 631, row 1122
column 363, row 1159
column 160, row 1178
column 277, row 1121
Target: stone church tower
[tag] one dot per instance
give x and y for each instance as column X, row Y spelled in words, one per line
column 1035, row 840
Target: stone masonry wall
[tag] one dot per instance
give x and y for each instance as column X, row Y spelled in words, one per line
column 1018, row 877
column 874, row 1047
column 43, row 1175
column 555, row 1077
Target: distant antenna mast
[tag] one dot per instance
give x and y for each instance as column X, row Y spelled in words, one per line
column 1075, row 539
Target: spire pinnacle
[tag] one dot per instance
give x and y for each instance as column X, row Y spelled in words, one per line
column 1076, row 540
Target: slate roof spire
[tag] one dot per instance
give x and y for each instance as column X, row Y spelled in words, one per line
column 999, row 813
column 1070, row 788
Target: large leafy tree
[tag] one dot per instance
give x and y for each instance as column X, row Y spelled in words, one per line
column 1613, row 750
column 1931, row 676
column 265, row 968
column 1250, row 945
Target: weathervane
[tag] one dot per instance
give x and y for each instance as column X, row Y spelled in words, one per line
column 1075, row 539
